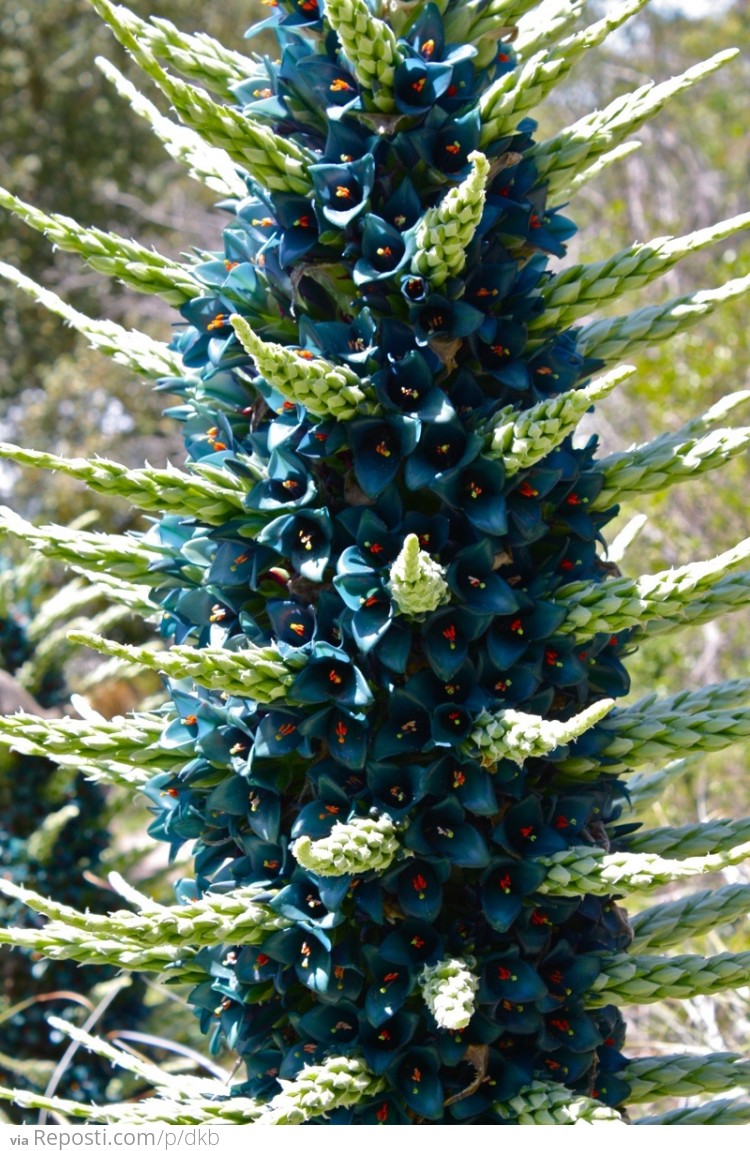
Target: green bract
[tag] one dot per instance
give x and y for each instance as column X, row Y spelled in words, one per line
column 396, row 639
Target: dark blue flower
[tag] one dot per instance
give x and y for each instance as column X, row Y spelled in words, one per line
column 384, row 251
column 473, row 578
column 305, row 540
column 477, row 492
column 442, row 450
column 416, row 1077
column 379, row 447
column 289, row 484
column 438, row 318
column 446, row 636
column 441, row 831
column 504, row 889
column 418, row 84
column 330, row 675
column 343, row 190
column 299, row 227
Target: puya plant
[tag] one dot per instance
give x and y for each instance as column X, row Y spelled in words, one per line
column 53, row 833
column 396, row 636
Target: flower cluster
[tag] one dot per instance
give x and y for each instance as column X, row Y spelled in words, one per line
column 397, row 641
column 352, row 349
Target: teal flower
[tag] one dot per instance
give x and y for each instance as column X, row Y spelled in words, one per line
column 379, row 447
column 343, row 190
column 304, row 539
column 330, row 675
column 298, row 225
column 442, row 831
column 477, row 585
column 385, row 251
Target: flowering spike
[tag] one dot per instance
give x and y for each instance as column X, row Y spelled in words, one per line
column 484, row 20
column 154, row 1110
column 517, row 92
column 272, row 160
column 324, row 388
column 198, row 56
column 213, row 495
column 260, row 673
column 370, row 48
column 215, row 919
column 646, row 787
column 211, row 166
column 658, row 465
column 519, row 735
column 145, row 941
column 621, row 152
column 724, row 597
column 577, row 290
column 649, row 979
column 590, row 871
column 623, row 603
column 692, row 839
column 723, row 1112
column 536, row 35
column 665, row 925
column 657, row 1077
column 340, row 1081
column 167, row 1084
column 92, row 552
column 135, row 350
column 350, row 848
column 417, row 584
column 561, row 158
column 449, row 989
column 619, row 337
column 522, row 439
column 122, row 751
column 366, row 575
column 445, row 231
column 138, row 267
column 652, row 729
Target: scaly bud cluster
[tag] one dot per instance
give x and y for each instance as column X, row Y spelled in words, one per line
column 522, row 439
column 417, row 583
column 509, row 99
column 666, row 924
column 692, row 839
column 211, row 495
column 210, row 165
column 577, row 290
column 370, row 47
column 350, row 848
column 449, row 989
column 325, row 389
column 648, row 979
column 541, row 1104
column 446, row 231
column 340, row 1081
column 138, row 267
column 659, row 1077
column 519, row 735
